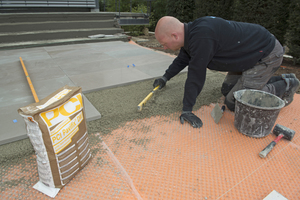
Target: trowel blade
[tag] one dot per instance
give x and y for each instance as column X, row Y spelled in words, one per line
column 217, row 113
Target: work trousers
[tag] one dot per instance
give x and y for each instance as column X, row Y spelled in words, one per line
column 254, row 78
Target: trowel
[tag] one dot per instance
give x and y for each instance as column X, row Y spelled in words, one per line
column 217, row 112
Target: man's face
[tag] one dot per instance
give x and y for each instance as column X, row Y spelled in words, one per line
column 169, row 43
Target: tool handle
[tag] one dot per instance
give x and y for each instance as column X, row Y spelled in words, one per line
column 267, row 150
column 29, row 81
column 140, row 106
column 145, row 100
column 223, row 108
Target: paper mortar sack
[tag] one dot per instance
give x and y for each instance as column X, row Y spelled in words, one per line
column 56, row 127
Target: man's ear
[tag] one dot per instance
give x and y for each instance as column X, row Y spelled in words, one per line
column 174, row 36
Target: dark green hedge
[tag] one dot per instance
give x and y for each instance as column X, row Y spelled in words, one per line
column 272, row 14
column 292, row 36
column 182, row 10
column 219, row 8
column 280, row 17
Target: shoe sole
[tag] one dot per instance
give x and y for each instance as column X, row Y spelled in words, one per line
column 292, row 75
column 289, row 98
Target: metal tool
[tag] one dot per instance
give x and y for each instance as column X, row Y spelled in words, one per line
column 281, row 132
column 140, row 106
column 217, row 113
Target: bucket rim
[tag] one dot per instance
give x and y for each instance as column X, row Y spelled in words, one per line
column 282, row 103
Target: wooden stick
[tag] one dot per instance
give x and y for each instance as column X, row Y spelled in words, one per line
column 29, row 82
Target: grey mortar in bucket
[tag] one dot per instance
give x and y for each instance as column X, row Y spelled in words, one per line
column 256, row 112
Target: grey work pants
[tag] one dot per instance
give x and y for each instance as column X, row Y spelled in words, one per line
column 256, row 77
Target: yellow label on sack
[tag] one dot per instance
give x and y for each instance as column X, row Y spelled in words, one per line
column 60, row 113
column 62, row 136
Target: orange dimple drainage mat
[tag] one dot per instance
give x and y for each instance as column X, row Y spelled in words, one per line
column 159, row 158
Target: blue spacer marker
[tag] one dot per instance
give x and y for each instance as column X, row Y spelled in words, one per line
column 133, row 65
column 127, row 66
column 15, row 121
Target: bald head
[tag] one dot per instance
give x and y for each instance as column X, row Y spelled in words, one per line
column 170, row 28
column 167, row 25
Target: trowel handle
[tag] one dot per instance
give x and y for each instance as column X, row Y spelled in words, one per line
column 223, row 108
column 267, row 150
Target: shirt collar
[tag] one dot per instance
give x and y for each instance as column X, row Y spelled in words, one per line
column 186, row 40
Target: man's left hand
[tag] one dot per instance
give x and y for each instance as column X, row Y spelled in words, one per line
column 191, row 118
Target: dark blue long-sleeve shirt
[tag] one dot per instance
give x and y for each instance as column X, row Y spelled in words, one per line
column 218, row 44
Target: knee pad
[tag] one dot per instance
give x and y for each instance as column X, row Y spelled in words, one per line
column 230, row 104
column 226, row 88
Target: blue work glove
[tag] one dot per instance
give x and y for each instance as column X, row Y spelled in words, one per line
column 160, row 81
column 191, row 118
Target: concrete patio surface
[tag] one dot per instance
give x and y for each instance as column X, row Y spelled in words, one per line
column 92, row 66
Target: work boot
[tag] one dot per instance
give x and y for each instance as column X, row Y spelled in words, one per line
column 292, row 75
column 225, row 89
column 281, row 77
column 291, row 88
column 230, row 103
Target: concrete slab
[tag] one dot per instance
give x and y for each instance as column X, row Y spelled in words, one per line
column 92, row 66
column 91, row 112
column 15, row 94
column 40, row 70
column 26, row 54
column 12, row 124
column 45, row 87
column 136, row 51
column 11, row 72
column 104, row 79
column 154, row 57
column 68, row 51
column 155, row 69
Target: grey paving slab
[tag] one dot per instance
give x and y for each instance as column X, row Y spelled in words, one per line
column 28, row 54
column 11, row 131
column 45, row 87
column 91, row 112
column 111, row 46
column 92, row 66
column 14, row 86
column 63, row 48
column 120, row 54
column 43, row 70
column 18, row 93
column 11, row 73
column 104, row 79
column 70, row 51
column 155, row 59
column 155, row 69
column 85, row 49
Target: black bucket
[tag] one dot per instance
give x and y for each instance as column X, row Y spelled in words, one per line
column 256, row 112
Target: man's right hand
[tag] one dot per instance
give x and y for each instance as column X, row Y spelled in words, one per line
column 160, row 81
column 191, row 118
